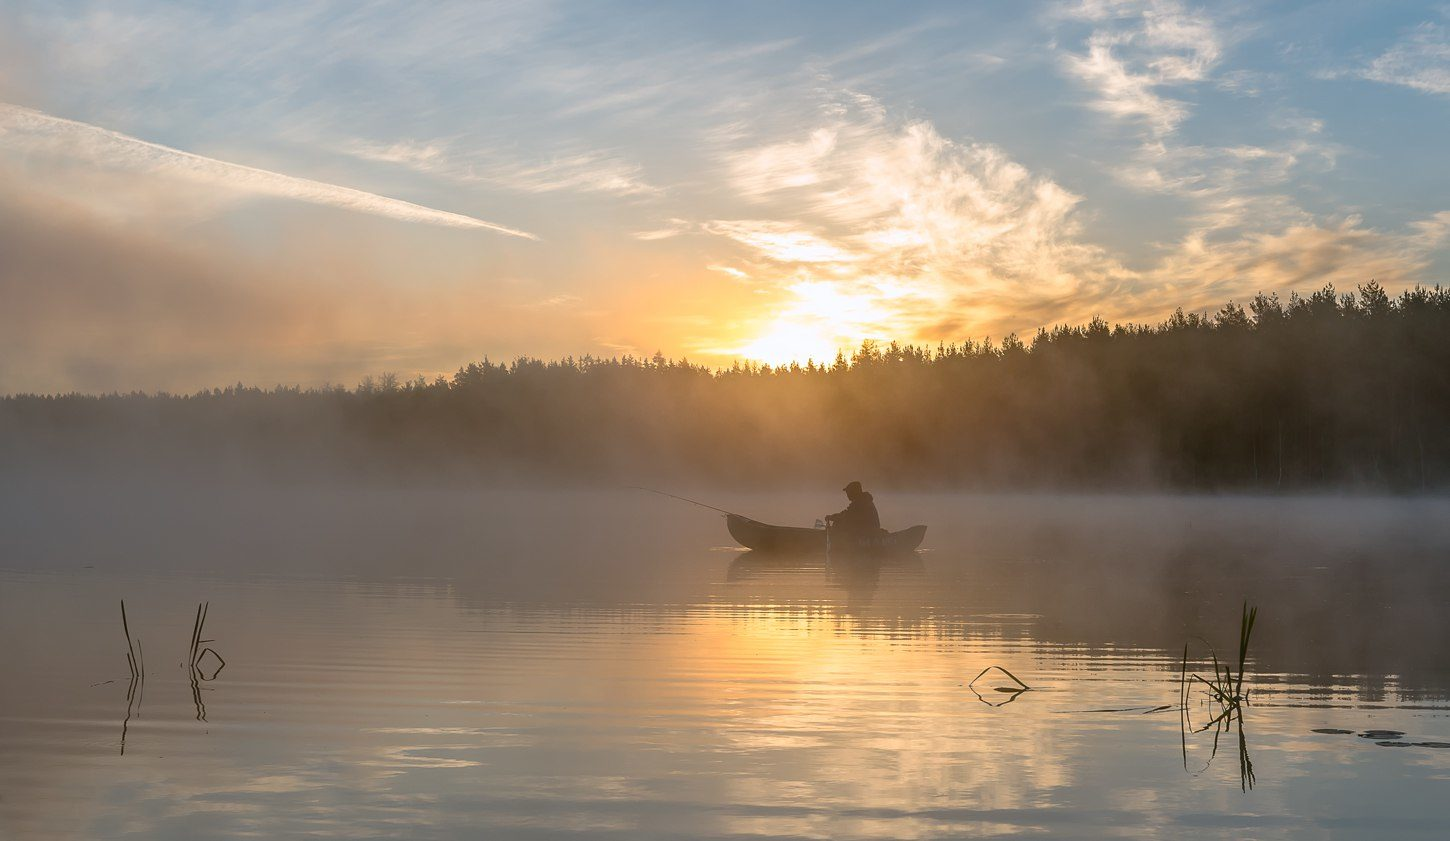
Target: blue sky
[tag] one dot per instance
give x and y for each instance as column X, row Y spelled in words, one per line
column 308, row 192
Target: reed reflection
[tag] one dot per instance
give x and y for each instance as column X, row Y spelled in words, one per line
column 204, row 665
column 768, row 708
column 135, row 660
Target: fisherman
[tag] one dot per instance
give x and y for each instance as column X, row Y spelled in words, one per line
column 860, row 517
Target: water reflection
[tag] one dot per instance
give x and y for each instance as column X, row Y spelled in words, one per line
column 753, row 566
column 135, row 661
column 771, row 711
column 671, row 692
column 1006, row 694
column 1225, row 720
column 849, row 582
column 204, row 665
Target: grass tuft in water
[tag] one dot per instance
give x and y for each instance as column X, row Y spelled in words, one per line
column 1227, row 697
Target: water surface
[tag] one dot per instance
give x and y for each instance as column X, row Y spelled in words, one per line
column 529, row 664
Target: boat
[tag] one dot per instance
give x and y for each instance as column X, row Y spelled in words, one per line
column 763, row 537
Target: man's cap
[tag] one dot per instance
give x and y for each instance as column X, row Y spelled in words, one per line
column 853, row 487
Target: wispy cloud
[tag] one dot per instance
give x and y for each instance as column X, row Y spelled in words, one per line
column 577, row 171
column 1305, row 256
column 1139, row 48
column 553, row 301
column 672, row 228
column 1234, row 186
column 881, row 224
column 729, row 270
column 870, row 226
column 28, row 130
column 784, row 242
column 1421, row 61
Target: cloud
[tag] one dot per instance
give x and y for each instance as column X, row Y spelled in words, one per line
column 882, row 226
column 672, row 228
column 1238, row 186
column 729, row 270
column 93, row 305
column 869, row 226
column 584, row 171
column 1298, row 257
column 783, row 242
column 1138, row 49
column 31, row 131
column 589, row 172
column 1420, row 61
column 554, row 301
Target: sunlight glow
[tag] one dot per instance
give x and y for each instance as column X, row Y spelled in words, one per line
column 785, row 342
column 824, row 317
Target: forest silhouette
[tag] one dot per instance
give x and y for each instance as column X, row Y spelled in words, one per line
column 1325, row 391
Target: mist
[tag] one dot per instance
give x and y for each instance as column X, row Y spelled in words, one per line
column 1348, row 585
column 1221, row 404
column 99, row 301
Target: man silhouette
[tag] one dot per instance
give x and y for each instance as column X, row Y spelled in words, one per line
column 860, row 517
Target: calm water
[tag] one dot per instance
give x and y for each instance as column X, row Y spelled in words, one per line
column 431, row 664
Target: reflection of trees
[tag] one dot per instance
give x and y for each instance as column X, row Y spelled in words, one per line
column 1345, row 635
column 849, row 584
column 1321, row 390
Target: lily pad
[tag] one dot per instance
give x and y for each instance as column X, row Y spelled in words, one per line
column 1333, row 731
column 1382, row 734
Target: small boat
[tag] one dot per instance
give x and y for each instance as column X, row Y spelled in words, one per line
column 763, row 537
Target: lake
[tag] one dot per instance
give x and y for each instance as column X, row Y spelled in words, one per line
column 415, row 662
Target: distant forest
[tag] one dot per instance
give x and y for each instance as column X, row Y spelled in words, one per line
column 1325, row 391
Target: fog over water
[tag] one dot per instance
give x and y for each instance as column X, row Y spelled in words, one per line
column 1360, row 573
column 531, row 661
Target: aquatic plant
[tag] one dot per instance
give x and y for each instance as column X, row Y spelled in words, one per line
column 1227, row 688
column 198, row 654
column 1011, row 691
column 134, row 654
column 1227, row 698
column 136, row 660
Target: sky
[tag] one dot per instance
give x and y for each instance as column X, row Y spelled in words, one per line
column 199, row 194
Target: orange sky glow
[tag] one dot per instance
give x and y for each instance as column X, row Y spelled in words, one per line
column 306, row 208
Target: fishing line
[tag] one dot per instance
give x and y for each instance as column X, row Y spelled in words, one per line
column 691, row 501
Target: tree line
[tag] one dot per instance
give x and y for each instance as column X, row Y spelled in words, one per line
column 1327, row 390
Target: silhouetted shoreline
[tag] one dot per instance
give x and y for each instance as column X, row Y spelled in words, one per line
column 1319, row 392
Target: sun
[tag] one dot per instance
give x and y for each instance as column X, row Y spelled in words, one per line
column 787, row 341
column 820, row 319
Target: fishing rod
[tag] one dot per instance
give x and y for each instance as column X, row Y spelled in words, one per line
column 687, row 499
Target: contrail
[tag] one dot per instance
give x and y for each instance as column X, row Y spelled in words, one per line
column 30, row 129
